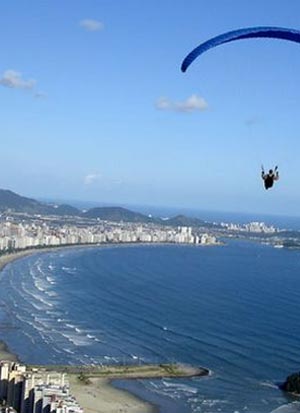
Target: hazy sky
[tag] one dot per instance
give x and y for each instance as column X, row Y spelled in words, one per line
column 94, row 105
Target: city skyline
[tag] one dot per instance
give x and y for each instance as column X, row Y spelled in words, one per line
column 95, row 107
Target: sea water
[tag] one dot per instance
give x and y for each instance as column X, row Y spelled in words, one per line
column 234, row 309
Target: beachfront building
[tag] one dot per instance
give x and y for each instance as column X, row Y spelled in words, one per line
column 11, row 383
column 54, row 399
column 18, row 236
column 33, row 383
column 35, row 391
column 15, row 385
column 207, row 239
column 252, row 227
column 4, row 372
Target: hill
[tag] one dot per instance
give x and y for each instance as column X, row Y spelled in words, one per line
column 183, row 221
column 12, row 202
column 117, row 214
column 65, row 210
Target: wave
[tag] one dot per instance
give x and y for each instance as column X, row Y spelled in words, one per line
column 69, row 270
column 70, row 326
column 288, row 408
column 50, row 280
column 67, row 350
column 180, row 387
column 95, row 338
column 30, row 337
column 269, row 384
column 78, row 341
column 39, row 298
column 39, row 287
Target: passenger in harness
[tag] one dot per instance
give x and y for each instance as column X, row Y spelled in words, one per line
column 270, row 177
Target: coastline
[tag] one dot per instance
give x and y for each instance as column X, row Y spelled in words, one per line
column 96, row 393
column 14, row 256
column 8, row 258
column 95, row 389
column 99, row 395
column 6, row 354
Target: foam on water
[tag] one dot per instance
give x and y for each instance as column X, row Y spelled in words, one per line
column 288, row 408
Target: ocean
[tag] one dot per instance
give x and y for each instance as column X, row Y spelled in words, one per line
column 233, row 309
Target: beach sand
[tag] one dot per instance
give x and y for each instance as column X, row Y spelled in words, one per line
column 5, row 354
column 7, row 258
column 99, row 396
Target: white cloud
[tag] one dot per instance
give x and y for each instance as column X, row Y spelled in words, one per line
column 164, row 104
column 191, row 104
column 92, row 178
column 97, row 180
column 13, row 79
column 91, row 25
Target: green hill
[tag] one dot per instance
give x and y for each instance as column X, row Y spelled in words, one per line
column 117, row 214
column 12, row 202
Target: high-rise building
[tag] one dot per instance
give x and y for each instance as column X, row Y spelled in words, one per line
column 4, row 371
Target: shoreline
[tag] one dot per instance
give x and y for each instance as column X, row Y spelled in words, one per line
column 6, row 354
column 13, row 256
column 106, row 397
column 8, row 258
column 95, row 391
column 100, row 395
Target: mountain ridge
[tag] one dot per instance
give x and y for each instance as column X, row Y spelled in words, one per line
column 13, row 202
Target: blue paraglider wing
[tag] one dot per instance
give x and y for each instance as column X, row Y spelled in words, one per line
column 246, row 33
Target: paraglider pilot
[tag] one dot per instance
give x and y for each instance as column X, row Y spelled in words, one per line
column 270, row 177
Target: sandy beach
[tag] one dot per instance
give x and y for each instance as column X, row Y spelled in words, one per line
column 99, row 396
column 7, row 258
column 93, row 389
column 5, row 354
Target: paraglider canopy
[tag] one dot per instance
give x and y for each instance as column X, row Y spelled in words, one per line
column 245, row 33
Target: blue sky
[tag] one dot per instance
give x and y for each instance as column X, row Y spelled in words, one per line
column 94, row 105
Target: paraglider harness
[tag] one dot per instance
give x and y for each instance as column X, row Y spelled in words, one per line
column 270, row 177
